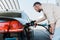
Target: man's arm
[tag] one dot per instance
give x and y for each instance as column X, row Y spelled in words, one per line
column 41, row 19
column 52, row 29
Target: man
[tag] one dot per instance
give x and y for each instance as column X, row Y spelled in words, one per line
column 51, row 12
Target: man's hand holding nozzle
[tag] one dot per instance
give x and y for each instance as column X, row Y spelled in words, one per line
column 33, row 23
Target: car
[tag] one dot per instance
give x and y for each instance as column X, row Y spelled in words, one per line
column 11, row 27
column 12, row 20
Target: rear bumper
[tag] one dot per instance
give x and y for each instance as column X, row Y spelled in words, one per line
column 16, row 30
column 13, row 30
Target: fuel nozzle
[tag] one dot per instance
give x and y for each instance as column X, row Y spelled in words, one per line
column 33, row 23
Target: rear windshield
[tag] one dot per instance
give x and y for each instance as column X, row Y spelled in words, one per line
column 18, row 15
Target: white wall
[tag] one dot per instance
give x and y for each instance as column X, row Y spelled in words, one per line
column 58, row 2
column 27, row 6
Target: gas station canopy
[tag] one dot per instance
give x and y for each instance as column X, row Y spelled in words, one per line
column 9, row 6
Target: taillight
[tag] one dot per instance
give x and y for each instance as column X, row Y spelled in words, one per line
column 4, row 27
column 15, row 26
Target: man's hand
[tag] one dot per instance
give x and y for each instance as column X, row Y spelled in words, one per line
column 51, row 36
column 35, row 24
